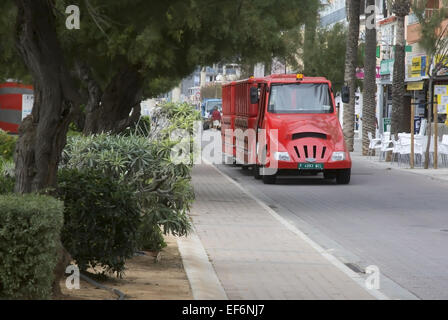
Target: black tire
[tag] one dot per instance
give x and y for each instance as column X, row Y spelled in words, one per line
column 256, row 169
column 343, row 176
column 269, row 179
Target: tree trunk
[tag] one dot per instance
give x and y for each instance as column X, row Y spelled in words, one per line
column 398, row 87
column 94, row 92
column 369, row 90
column 42, row 135
column 351, row 57
column 121, row 96
column 430, row 107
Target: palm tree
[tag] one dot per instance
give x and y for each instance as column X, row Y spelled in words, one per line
column 399, row 119
column 369, row 90
column 351, row 57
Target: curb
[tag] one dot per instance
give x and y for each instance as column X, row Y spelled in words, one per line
column 204, row 282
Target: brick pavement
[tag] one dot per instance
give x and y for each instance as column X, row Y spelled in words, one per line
column 255, row 255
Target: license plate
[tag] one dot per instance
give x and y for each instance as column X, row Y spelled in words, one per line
column 311, row 166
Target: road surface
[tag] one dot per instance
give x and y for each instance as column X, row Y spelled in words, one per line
column 395, row 220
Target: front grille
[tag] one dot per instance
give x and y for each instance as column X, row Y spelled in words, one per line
column 324, row 149
column 297, row 151
column 311, row 151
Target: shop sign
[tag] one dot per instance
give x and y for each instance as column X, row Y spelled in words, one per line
column 387, row 67
column 444, row 68
column 441, row 91
column 415, row 86
column 418, row 66
column 386, row 124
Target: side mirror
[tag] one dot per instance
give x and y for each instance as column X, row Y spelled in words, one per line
column 345, row 94
column 253, row 95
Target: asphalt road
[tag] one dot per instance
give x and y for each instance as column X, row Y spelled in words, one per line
column 394, row 220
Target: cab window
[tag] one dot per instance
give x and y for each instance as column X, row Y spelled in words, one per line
column 300, row 98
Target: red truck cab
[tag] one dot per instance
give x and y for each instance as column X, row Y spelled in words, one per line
column 284, row 125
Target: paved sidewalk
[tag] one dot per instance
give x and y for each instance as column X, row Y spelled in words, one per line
column 440, row 174
column 257, row 255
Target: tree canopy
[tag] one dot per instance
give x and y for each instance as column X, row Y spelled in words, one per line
column 327, row 55
column 124, row 51
column 166, row 40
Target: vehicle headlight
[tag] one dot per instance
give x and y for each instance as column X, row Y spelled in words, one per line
column 282, row 156
column 338, row 156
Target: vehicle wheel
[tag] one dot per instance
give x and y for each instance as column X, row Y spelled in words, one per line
column 256, row 168
column 269, row 179
column 343, row 176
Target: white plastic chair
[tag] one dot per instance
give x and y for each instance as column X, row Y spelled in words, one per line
column 443, row 149
column 396, row 150
column 385, row 145
column 374, row 144
column 405, row 147
column 419, row 148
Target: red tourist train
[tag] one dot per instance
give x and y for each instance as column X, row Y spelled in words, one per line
column 284, row 124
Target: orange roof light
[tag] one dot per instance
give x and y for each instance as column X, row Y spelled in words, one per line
column 299, row 76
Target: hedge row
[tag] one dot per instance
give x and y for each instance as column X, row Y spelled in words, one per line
column 30, row 226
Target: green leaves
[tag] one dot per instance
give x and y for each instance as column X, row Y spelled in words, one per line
column 161, row 188
column 101, row 219
column 7, row 145
column 29, row 240
column 327, row 55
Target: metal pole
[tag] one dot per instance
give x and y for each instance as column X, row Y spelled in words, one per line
column 436, row 136
column 411, row 160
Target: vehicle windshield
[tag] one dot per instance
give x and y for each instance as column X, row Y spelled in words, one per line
column 300, row 98
column 212, row 104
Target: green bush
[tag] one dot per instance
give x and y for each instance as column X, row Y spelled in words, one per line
column 6, row 184
column 162, row 187
column 173, row 116
column 142, row 127
column 101, row 219
column 6, row 176
column 29, row 240
column 7, row 145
